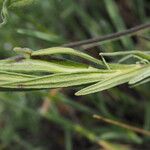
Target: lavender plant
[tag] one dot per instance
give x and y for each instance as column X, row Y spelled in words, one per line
column 27, row 73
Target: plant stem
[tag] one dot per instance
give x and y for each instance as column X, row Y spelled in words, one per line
column 110, row 37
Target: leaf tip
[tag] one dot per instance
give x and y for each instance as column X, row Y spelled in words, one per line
column 78, row 93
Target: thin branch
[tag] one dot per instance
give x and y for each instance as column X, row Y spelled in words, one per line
column 123, row 125
column 110, row 37
column 107, row 38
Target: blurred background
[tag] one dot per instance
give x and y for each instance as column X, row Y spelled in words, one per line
column 56, row 119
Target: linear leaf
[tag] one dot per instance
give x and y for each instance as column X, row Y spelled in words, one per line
column 65, row 50
column 20, row 3
column 6, row 77
column 30, row 65
column 119, row 78
column 51, row 37
column 144, row 73
column 142, row 54
column 60, row 80
column 141, row 82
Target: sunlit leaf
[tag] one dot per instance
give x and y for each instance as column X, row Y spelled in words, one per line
column 65, row 50
column 30, row 65
column 59, row 80
column 119, row 78
column 144, row 73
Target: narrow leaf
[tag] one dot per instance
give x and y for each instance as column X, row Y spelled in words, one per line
column 65, row 50
column 119, row 78
column 59, row 80
column 144, row 73
column 30, row 65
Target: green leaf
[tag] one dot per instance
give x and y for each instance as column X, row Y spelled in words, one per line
column 67, row 51
column 116, row 79
column 141, row 82
column 6, row 77
column 143, row 74
column 20, row 3
column 30, row 65
column 59, row 80
column 50, row 37
column 142, row 54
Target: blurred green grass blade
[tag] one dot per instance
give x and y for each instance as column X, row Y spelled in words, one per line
column 121, row 134
column 140, row 7
column 50, row 37
column 63, row 122
column 67, row 51
column 117, row 20
column 113, row 146
column 147, row 118
column 88, row 21
column 76, row 105
column 20, row 3
column 119, row 78
column 68, row 139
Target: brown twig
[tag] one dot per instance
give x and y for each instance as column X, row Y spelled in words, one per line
column 123, row 125
column 110, row 37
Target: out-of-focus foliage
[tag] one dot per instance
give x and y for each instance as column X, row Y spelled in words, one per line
column 56, row 119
